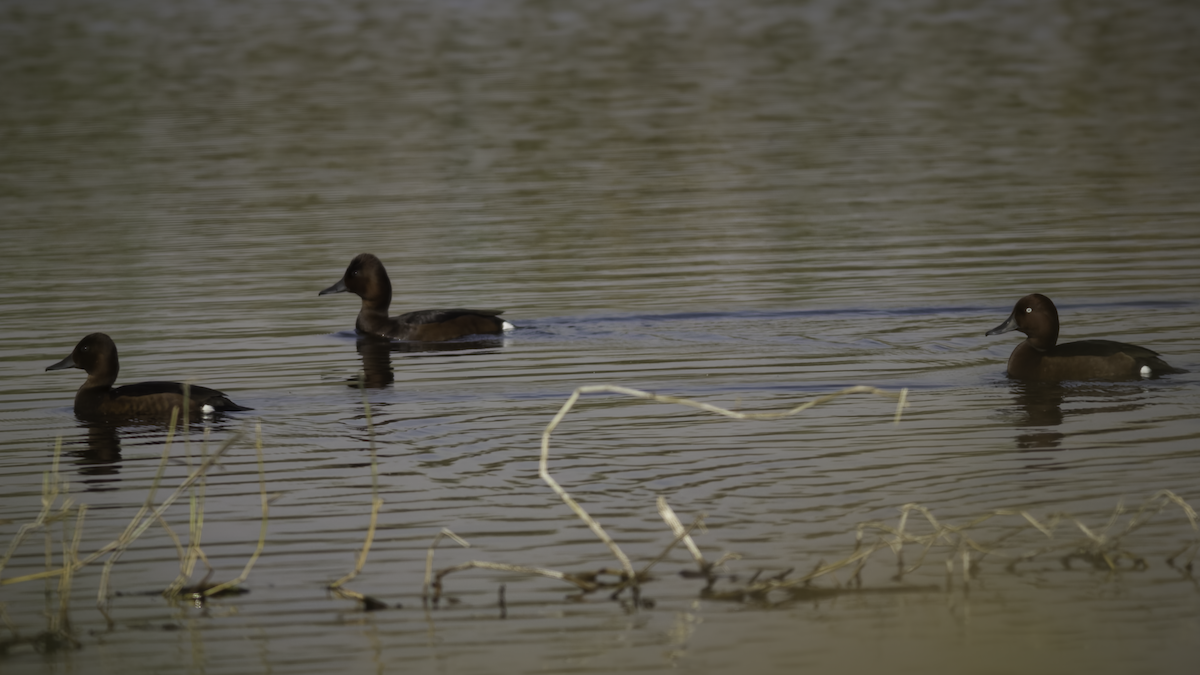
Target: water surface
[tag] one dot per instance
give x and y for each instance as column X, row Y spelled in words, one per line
column 748, row 204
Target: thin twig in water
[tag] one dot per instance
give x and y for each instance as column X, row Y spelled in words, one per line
column 585, row 582
column 672, row 520
column 445, row 533
column 544, row 463
column 679, row 536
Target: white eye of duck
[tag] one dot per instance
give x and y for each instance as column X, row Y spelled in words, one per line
column 1028, row 310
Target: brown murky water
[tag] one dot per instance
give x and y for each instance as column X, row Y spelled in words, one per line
column 749, row 204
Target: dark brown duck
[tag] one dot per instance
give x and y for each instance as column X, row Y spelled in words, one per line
column 1040, row 357
column 366, row 278
column 98, row 398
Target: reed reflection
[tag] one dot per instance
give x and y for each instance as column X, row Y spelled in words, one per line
column 376, row 353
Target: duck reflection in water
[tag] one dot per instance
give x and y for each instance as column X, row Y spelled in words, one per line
column 376, row 353
column 97, row 456
column 1041, row 408
column 102, row 454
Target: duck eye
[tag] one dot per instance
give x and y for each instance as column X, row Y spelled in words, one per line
column 1028, row 310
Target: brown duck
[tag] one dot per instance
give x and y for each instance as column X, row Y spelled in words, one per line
column 1040, row 357
column 98, row 398
column 366, row 278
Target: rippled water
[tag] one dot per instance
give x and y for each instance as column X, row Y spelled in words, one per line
column 748, row 204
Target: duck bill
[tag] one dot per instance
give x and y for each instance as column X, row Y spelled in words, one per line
column 64, row 364
column 1009, row 324
column 339, row 287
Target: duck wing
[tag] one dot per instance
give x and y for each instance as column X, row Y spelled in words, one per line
column 1108, row 348
column 427, row 316
column 201, row 395
column 1103, row 348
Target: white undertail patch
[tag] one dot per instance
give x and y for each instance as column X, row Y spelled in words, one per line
column 208, row 409
column 1145, row 371
column 506, row 326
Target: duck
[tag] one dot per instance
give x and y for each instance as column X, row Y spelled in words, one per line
column 366, row 278
column 1040, row 357
column 98, row 398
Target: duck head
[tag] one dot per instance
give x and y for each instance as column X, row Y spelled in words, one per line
column 1035, row 316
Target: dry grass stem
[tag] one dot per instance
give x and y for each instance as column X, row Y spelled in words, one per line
column 52, row 487
column 102, row 593
column 361, row 558
column 139, row 524
column 337, row 587
column 1099, row 548
column 187, row 562
column 71, row 562
column 262, row 531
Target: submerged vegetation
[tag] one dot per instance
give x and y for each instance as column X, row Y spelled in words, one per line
column 962, row 548
column 1104, row 548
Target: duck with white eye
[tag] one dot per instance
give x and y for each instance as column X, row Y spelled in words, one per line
column 1040, row 357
